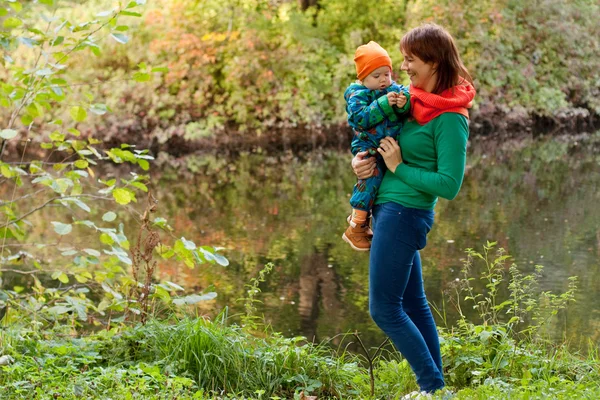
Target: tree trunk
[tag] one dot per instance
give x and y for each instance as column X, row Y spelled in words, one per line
column 304, row 4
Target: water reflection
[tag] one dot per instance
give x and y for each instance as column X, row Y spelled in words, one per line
column 538, row 201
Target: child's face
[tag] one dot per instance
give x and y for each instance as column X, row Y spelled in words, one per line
column 379, row 79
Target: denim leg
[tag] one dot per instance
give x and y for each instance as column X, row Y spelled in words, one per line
column 416, row 306
column 399, row 233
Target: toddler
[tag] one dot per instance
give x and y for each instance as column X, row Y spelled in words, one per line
column 377, row 107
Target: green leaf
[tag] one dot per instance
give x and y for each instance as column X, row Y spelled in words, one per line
column 16, row 6
column 61, row 276
column 106, row 239
column 81, row 164
column 61, row 185
column 57, row 41
column 194, row 298
column 162, row 293
column 222, row 261
column 165, row 252
column 26, row 119
column 105, row 13
column 140, row 186
column 92, row 252
column 12, row 22
column 109, row 216
column 160, row 69
column 174, row 286
column 56, row 136
column 44, row 72
column 158, row 221
column 98, row 109
column 110, row 290
column 34, row 110
column 122, row 196
column 131, row 14
column 188, row 244
column 119, row 37
column 186, row 255
column 78, row 113
column 62, row 229
column 145, row 165
column 58, row 310
column 80, row 204
column 6, row 171
column 8, row 134
column 141, row 77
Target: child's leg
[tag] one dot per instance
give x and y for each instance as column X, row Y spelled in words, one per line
column 363, row 197
column 365, row 192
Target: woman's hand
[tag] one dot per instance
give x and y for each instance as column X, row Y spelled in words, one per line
column 363, row 168
column 390, row 151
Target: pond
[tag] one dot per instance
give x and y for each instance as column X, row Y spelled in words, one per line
column 538, row 200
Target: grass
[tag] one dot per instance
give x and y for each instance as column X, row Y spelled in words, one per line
column 503, row 356
column 200, row 359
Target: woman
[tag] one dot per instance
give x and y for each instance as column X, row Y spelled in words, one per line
column 430, row 165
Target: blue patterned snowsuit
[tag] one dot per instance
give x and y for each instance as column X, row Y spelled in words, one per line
column 372, row 118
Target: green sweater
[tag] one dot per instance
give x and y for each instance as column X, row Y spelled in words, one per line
column 433, row 163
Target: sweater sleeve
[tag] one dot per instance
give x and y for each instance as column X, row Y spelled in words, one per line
column 365, row 114
column 450, row 140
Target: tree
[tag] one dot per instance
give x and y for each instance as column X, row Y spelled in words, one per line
column 84, row 246
column 305, row 4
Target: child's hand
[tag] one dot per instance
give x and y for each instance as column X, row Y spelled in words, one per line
column 400, row 100
column 392, row 98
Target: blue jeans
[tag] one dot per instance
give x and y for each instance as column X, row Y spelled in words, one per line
column 397, row 301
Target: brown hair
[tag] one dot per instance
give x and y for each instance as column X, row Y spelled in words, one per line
column 433, row 44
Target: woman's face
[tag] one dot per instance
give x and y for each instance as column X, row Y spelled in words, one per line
column 422, row 75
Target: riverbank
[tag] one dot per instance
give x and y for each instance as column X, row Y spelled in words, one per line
column 493, row 124
column 490, row 125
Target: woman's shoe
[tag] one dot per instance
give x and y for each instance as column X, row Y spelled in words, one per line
column 417, row 395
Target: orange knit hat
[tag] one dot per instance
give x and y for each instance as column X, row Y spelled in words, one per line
column 369, row 57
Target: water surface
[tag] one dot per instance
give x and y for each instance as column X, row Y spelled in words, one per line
column 538, row 200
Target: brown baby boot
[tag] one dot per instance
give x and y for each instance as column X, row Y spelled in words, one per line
column 357, row 234
column 369, row 231
column 357, row 238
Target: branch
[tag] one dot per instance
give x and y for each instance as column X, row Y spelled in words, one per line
column 370, row 359
column 22, row 197
column 50, row 201
column 21, row 272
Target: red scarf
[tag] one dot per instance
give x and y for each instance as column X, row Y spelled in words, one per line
column 425, row 106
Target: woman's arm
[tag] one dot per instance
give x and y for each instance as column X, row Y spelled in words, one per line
column 450, row 137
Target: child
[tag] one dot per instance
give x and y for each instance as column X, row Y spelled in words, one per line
column 376, row 108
